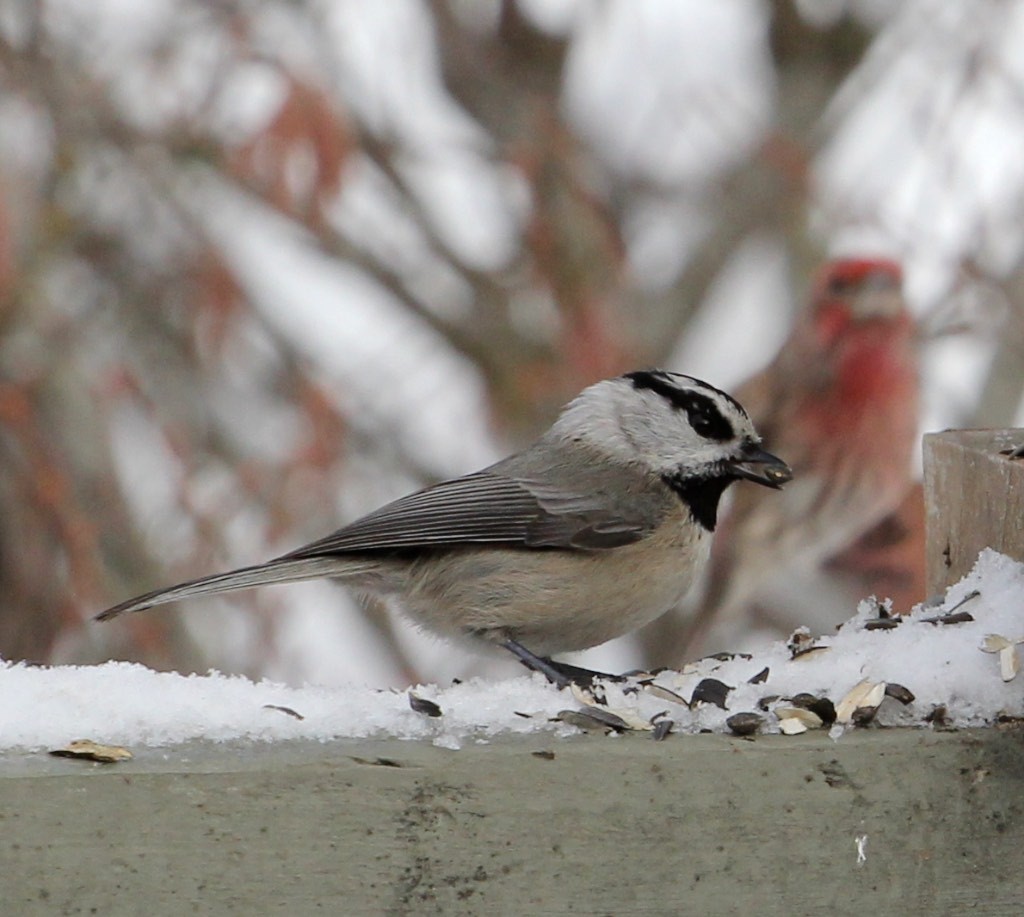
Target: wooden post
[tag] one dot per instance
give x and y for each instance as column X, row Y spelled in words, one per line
column 974, row 499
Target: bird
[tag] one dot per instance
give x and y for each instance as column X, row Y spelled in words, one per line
column 840, row 401
column 594, row 530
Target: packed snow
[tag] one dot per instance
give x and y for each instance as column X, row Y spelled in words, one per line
column 957, row 659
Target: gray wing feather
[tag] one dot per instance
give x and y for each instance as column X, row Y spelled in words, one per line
column 523, row 501
column 495, row 506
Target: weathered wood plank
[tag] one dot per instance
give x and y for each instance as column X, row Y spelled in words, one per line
column 974, row 498
column 694, row 825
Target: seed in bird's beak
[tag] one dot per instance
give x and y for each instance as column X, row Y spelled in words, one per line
column 778, row 475
column 754, row 464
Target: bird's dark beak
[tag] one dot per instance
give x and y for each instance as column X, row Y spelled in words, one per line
column 754, row 464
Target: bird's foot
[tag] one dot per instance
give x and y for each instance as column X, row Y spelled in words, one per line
column 560, row 674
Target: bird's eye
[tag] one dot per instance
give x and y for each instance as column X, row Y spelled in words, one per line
column 701, row 423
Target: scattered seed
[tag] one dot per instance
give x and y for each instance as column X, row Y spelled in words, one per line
column 728, row 657
column 994, row 643
column 801, row 637
column 882, row 623
column 93, row 751
column 801, row 643
column 809, row 718
column 884, row 609
column 423, row 705
column 959, row 617
column 609, row 718
column 663, row 693
column 287, row 710
column 821, row 706
column 593, row 719
column 938, row 716
column 1009, row 660
column 587, row 695
column 1009, row 663
column 579, row 720
column 862, row 695
column 898, row 692
column 630, row 717
column 710, row 691
column 544, row 754
column 885, row 618
column 760, row 678
column 863, row 715
column 791, row 726
column 745, row 724
column 662, row 729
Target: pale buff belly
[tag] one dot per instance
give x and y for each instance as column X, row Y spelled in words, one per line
column 555, row 601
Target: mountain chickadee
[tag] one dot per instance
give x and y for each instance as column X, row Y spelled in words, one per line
column 596, row 529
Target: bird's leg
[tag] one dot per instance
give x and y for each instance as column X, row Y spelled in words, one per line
column 560, row 674
column 537, row 664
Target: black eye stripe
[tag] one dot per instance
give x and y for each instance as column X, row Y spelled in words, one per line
column 704, row 416
column 702, row 412
column 660, row 381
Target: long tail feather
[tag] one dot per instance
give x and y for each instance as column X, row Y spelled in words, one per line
column 274, row 571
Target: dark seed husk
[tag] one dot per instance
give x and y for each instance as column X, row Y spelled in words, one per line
column 959, row 617
column 898, row 692
column 611, row 720
column 660, row 691
column 423, row 705
column 938, row 716
column 592, row 719
column 863, row 715
column 286, row 710
column 822, row 706
column 800, row 652
column 744, row 724
column 726, row 657
column 710, row 691
column 882, row 624
column 661, row 729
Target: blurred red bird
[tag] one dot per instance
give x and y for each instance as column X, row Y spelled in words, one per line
column 840, row 404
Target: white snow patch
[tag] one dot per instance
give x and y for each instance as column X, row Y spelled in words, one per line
column 126, row 704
